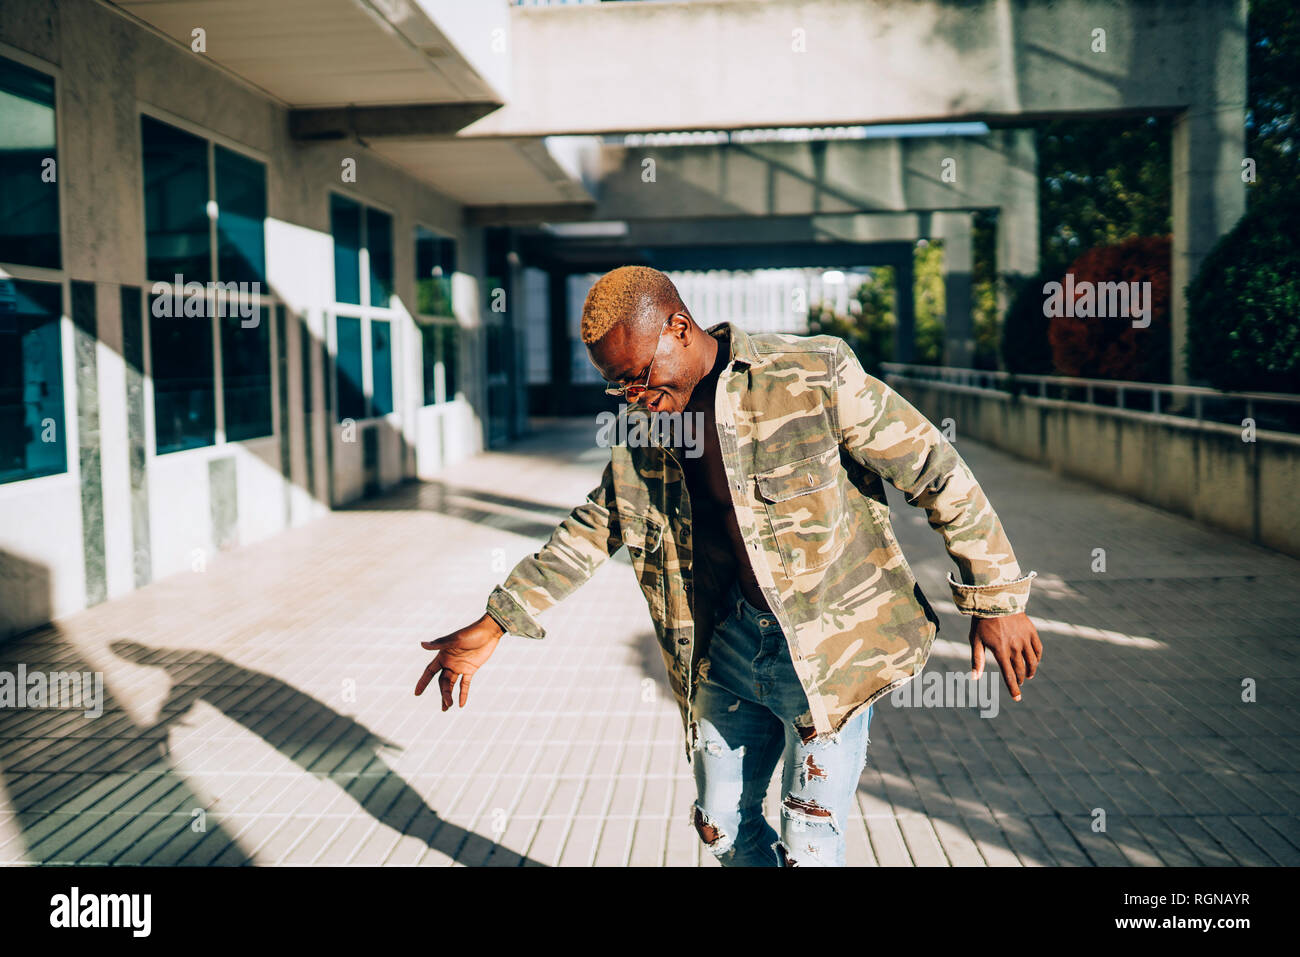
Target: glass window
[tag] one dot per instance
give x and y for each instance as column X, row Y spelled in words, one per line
column 435, row 261
column 175, row 203
column 183, row 381
column 29, row 191
column 450, row 359
column 246, row 376
column 241, row 217
column 348, row 381
column 379, row 246
column 381, row 367
column 31, row 380
column 345, row 224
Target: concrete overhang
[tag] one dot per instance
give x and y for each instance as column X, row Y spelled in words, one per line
column 502, row 172
column 321, row 53
column 734, row 64
column 400, row 77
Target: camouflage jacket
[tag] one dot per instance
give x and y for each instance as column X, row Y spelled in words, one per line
column 806, row 437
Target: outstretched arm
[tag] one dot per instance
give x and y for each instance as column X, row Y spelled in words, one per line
column 588, row 536
column 885, row 433
column 578, row 546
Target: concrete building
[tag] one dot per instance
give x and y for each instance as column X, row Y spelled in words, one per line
column 258, row 259
column 212, row 330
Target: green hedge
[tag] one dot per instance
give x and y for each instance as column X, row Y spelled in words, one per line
column 1243, row 325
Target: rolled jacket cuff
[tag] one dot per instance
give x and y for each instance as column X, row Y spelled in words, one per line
column 993, row 600
column 511, row 615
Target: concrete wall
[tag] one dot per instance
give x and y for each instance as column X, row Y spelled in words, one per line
column 1205, row 472
column 99, row 536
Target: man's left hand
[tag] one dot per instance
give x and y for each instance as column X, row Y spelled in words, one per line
column 1014, row 643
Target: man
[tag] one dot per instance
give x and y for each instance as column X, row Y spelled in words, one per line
column 782, row 603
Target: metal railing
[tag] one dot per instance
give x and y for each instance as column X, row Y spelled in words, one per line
column 1276, row 411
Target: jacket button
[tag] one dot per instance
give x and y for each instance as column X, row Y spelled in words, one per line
column 683, row 641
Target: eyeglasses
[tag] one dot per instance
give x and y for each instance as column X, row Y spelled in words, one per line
column 633, row 392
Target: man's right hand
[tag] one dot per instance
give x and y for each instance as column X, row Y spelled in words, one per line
column 460, row 655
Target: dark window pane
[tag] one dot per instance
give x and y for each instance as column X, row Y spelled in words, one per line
column 379, row 244
column 29, row 206
column 450, row 359
column 241, row 218
column 496, row 353
column 435, row 261
column 348, row 381
column 345, row 224
column 381, row 363
column 431, row 341
column 246, row 376
column 184, row 392
column 175, row 203
column 31, row 381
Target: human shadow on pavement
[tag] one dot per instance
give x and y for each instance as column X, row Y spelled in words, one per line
column 322, row 742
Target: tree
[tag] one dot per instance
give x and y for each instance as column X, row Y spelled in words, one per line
column 871, row 327
column 871, row 331
column 1243, row 323
column 1101, row 181
column 931, row 303
column 984, row 287
column 1272, row 99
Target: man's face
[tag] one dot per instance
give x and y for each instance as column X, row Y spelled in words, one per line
column 624, row 359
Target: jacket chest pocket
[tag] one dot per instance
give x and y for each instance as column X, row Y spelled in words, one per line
column 643, row 537
column 805, row 504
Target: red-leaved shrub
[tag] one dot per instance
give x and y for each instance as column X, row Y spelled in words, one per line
column 1112, row 348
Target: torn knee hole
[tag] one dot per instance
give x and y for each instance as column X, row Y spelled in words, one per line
column 805, row 807
column 717, row 842
column 804, row 811
column 788, row 860
column 707, row 830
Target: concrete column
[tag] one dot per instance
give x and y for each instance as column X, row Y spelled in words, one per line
column 1208, row 199
column 958, row 262
column 1017, row 240
column 904, row 309
column 114, row 431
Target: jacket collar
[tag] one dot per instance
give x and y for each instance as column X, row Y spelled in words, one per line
column 740, row 346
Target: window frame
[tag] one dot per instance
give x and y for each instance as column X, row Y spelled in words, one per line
column 71, row 474
column 392, row 314
column 265, row 300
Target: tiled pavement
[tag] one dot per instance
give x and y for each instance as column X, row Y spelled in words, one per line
column 262, row 710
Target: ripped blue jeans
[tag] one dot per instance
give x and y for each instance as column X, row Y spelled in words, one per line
column 744, row 715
